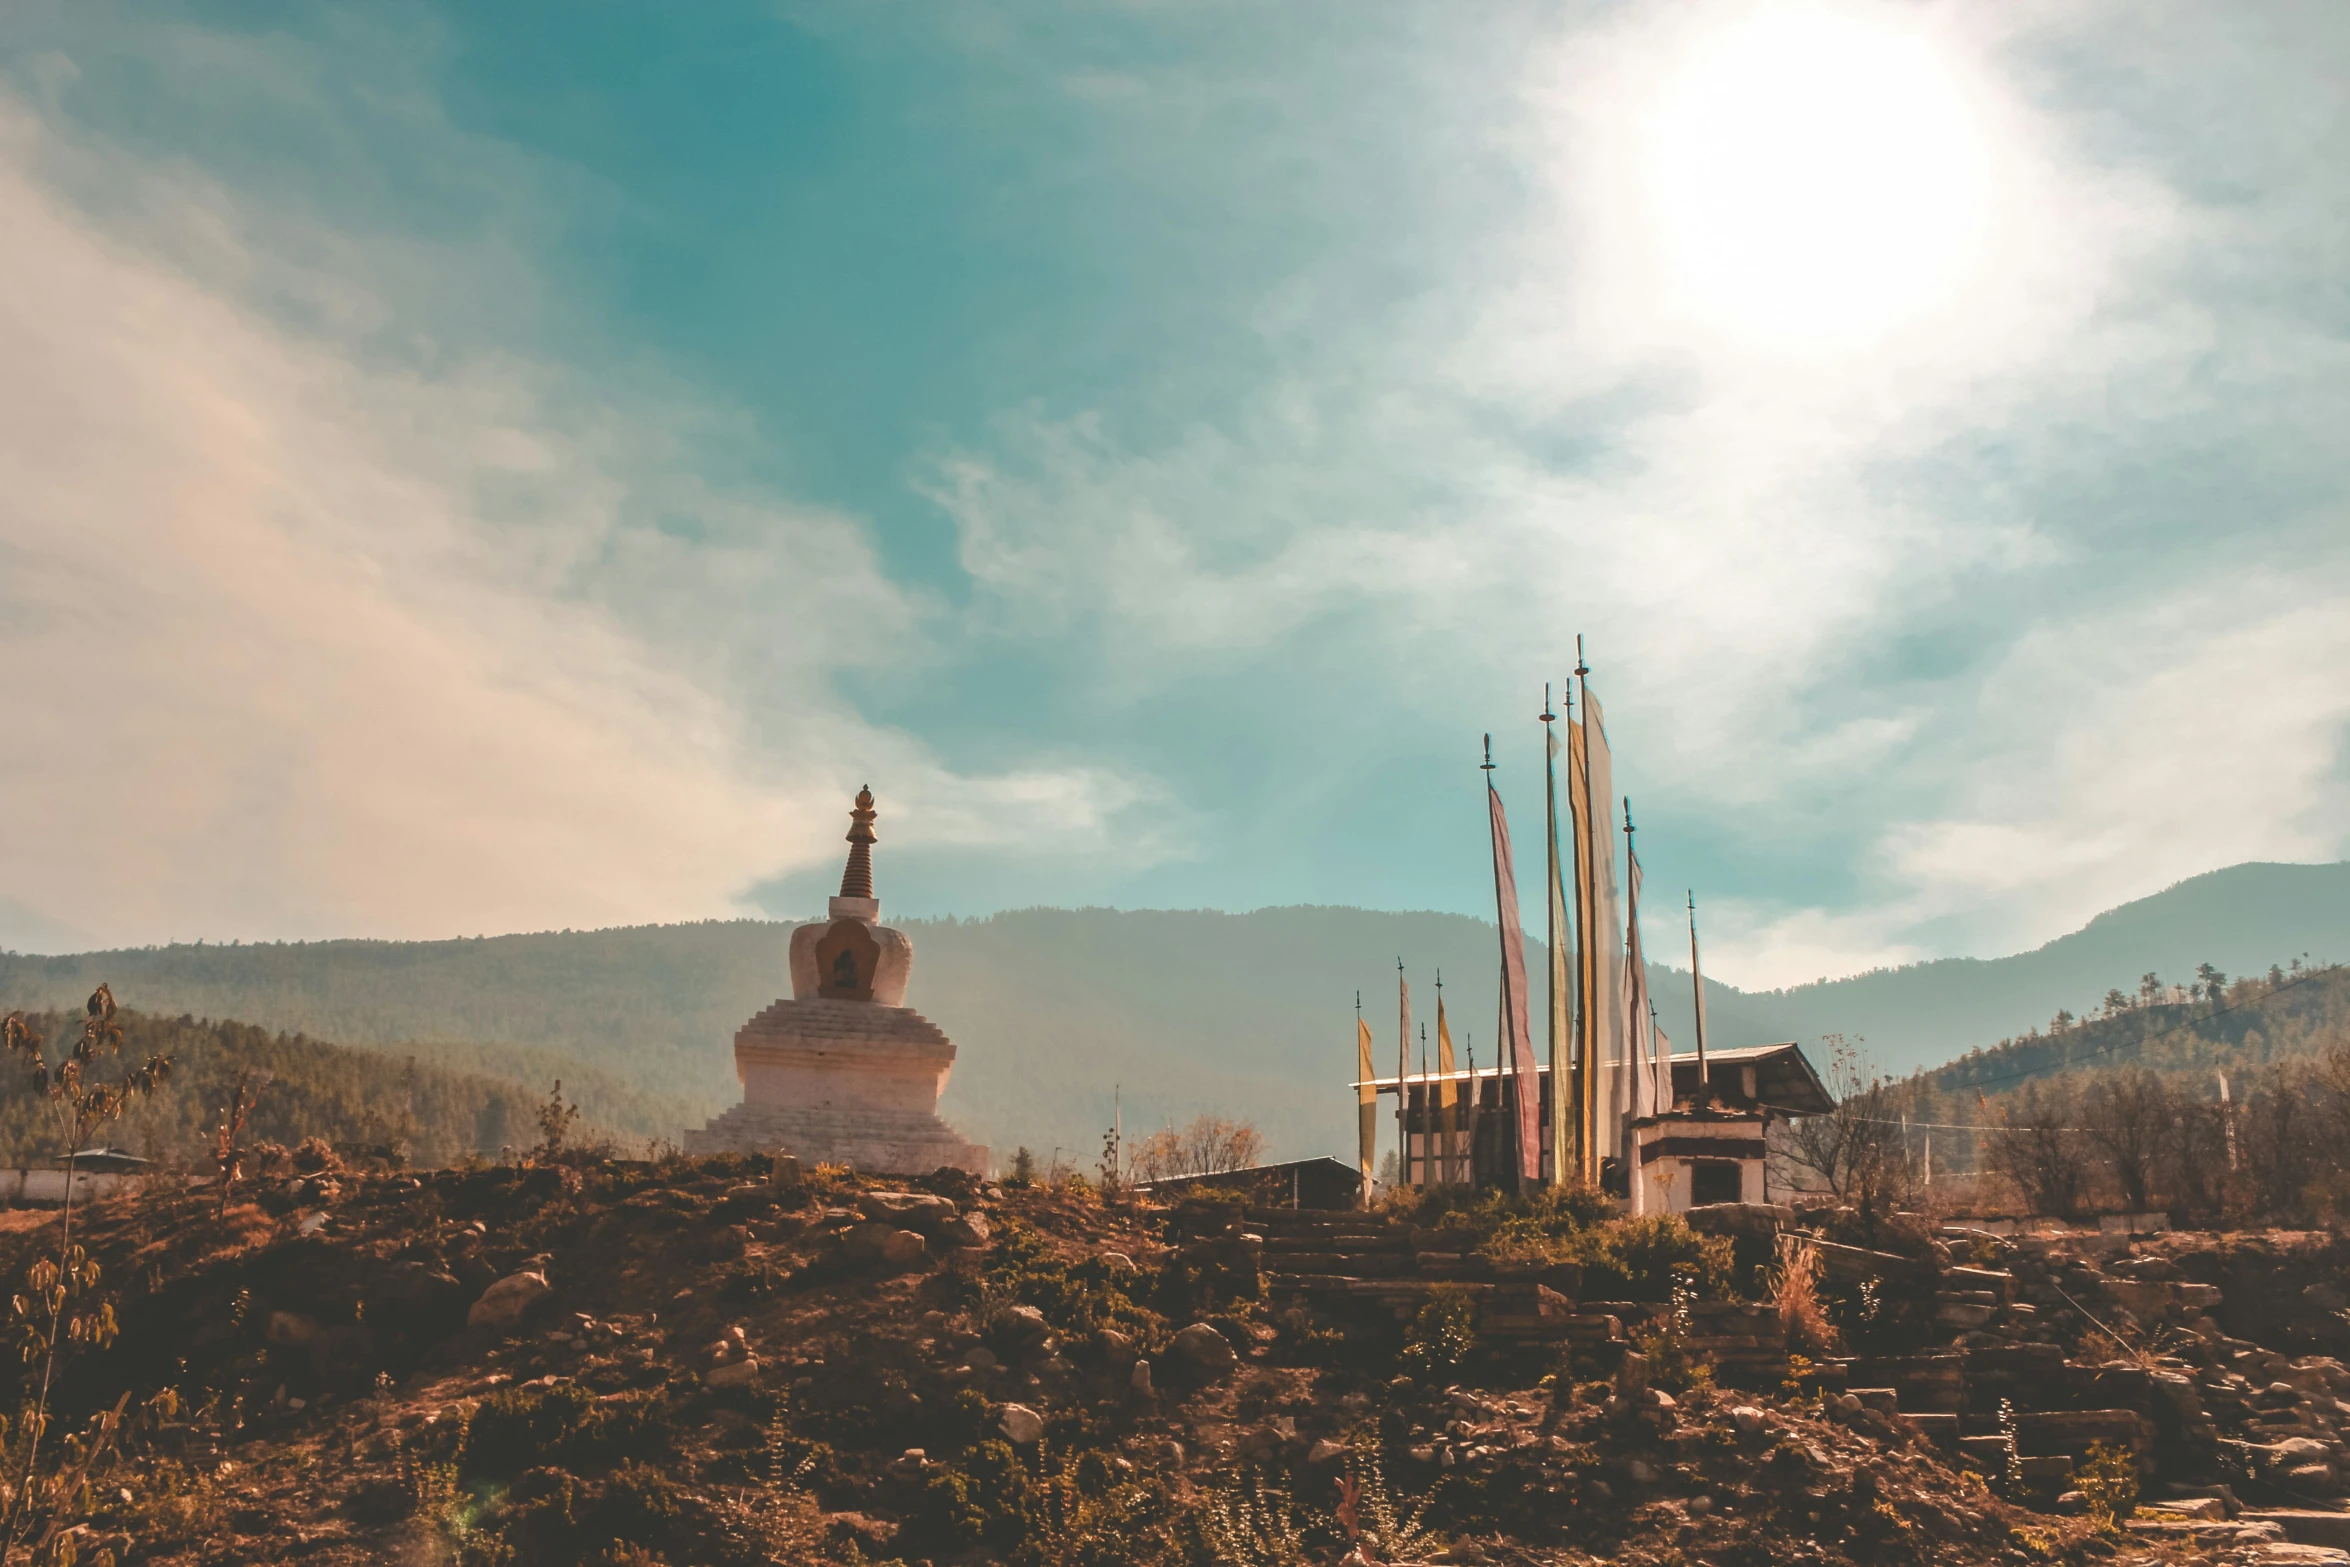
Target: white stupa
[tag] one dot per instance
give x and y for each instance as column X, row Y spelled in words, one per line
column 844, row 1072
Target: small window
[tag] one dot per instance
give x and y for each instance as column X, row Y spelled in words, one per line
column 1713, row 1180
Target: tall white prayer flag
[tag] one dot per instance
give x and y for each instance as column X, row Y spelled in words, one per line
column 1605, row 932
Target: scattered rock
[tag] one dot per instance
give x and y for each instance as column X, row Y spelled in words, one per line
column 504, row 1303
column 1204, row 1352
column 1643, row 1472
column 1020, row 1424
column 1325, row 1451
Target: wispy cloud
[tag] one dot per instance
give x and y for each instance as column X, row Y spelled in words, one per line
column 1823, row 567
column 310, row 638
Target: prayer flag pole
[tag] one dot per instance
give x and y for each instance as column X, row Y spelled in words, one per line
column 1556, row 933
column 1705, row 1092
column 1403, row 1068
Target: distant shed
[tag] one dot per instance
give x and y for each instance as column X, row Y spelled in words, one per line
column 1300, row 1183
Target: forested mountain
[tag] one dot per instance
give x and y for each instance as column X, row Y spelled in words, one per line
column 307, row 1088
column 2240, row 920
column 2216, row 1101
column 1055, row 1010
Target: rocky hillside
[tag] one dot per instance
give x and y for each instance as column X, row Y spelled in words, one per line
column 700, row 1362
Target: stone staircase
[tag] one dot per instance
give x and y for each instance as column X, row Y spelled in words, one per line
column 1347, row 1263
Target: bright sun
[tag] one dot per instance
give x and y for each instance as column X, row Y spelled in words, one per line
column 1817, row 177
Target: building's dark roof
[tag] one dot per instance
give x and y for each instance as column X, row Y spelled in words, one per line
column 102, row 1159
column 1313, row 1183
column 1783, row 1078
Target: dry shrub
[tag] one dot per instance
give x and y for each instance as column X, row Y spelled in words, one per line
column 1795, row 1290
column 1210, row 1145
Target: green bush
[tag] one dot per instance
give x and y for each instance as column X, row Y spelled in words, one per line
column 1643, row 1258
column 1062, row 1509
column 638, row 1504
column 1077, row 1298
column 1444, row 1331
column 1538, row 1227
column 2108, row 1482
column 521, row 1428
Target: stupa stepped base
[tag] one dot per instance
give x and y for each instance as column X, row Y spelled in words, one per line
column 880, row 1142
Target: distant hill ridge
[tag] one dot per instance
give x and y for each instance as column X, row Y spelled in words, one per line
column 1056, row 1010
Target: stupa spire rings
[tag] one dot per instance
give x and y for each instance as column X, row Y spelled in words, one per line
column 856, row 881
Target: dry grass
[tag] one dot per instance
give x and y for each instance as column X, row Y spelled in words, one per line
column 1795, row 1290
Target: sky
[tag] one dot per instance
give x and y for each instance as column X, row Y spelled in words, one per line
column 476, row 468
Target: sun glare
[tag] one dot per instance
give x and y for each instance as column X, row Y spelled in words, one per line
column 1817, row 178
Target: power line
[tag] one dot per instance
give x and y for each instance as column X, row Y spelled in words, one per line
column 2144, row 1040
column 1952, row 1126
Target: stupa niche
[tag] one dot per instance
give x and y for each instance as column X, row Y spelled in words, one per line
column 845, row 1072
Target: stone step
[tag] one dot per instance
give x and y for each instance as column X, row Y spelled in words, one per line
column 1317, row 1219
column 1402, row 1296
column 2304, row 1525
column 1941, row 1429
column 1377, row 1265
column 1278, row 1243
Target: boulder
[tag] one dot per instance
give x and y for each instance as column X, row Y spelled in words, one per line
column 2295, row 1451
column 907, row 1210
column 1024, row 1326
column 733, row 1372
column 1326, row 1451
column 1020, row 1424
column 882, row 1243
column 504, row 1303
column 1138, row 1382
column 786, row 1174
column 2204, row 1509
column 969, row 1230
column 1748, row 1419
column 291, row 1328
column 2313, row 1479
column 1204, row 1352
